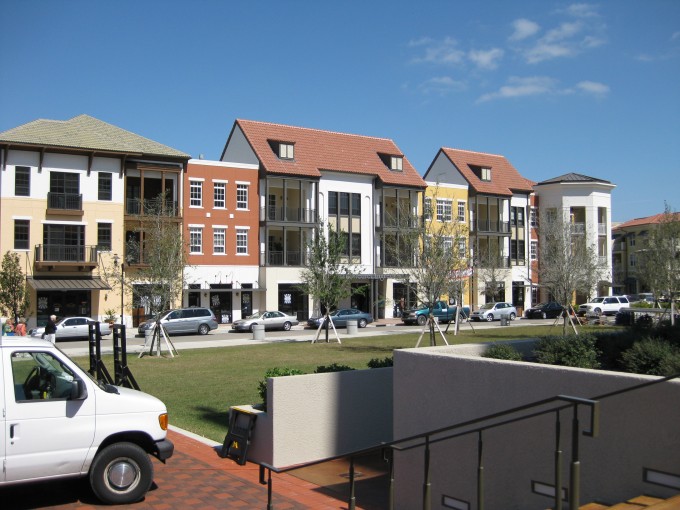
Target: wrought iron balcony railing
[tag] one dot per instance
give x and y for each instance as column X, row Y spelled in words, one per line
column 65, row 254
column 65, row 201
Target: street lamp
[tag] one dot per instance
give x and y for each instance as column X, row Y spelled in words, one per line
column 116, row 261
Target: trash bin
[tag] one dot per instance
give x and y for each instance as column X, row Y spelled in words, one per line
column 148, row 333
column 505, row 321
column 352, row 327
column 258, row 332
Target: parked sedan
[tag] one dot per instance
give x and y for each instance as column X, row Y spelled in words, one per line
column 72, row 327
column 183, row 320
column 548, row 310
column 340, row 318
column 494, row 311
column 270, row 320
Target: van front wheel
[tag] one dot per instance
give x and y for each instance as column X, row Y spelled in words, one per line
column 121, row 473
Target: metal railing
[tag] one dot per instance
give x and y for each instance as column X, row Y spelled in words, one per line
column 477, row 427
column 65, row 201
column 294, row 214
column 288, row 258
column 502, row 227
column 138, row 206
column 65, row 253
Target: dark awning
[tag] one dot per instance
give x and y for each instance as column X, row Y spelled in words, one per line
column 68, row 284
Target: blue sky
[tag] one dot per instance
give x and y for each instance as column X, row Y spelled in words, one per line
column 556, row 87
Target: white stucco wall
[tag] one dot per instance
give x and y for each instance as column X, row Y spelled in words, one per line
column 316, row 416
column 435, row 387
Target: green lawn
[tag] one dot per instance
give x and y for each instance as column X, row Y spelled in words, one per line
column 199, row 385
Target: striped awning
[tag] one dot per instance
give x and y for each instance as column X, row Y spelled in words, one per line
column 68, row 284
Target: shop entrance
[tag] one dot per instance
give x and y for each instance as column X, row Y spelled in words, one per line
column 293, row 301
column 62, row 304
column 221, row 301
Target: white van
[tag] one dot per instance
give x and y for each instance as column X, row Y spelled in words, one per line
column 59, row 422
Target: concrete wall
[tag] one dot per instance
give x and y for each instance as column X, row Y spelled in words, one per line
column 437, row 387
column 316, row 416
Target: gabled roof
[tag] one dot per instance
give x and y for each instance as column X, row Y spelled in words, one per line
column 647, row 220
column 86, row 133
column 505, row 179
column 573, row 178
column 317, row 150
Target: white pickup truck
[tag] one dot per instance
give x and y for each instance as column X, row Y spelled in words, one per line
column 59, row 422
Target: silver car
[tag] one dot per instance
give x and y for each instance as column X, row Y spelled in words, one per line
column 494, row 311
column 72, row 327
column 270, row 320
column 185, row 320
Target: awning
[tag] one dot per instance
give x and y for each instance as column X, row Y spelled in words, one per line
column 68, row 284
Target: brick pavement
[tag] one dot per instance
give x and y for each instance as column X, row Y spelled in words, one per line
column 194, row 478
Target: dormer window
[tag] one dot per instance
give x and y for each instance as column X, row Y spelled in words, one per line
column 286, row 151
column 485, row 174
column 396, row 163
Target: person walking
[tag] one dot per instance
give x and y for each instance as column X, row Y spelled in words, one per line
column 20, row 330
column 51, row 329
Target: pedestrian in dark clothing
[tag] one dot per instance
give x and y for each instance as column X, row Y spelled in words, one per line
column 51, row 329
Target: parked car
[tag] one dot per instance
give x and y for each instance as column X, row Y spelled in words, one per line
column 548, row 310
column 494, row 311
column 604, row 305
column 270, row 320
column 441, row 309
column 184, row 320
column 340, row 318
column 72, row 327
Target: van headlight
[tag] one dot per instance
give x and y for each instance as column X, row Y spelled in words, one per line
column 163, row 421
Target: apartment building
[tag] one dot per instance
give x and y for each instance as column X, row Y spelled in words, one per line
column 221, row 224
column 585, row 203
column 498, row 205
column 364, row 186
column 71, row 193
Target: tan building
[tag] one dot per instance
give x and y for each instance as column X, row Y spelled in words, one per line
column 70, row 193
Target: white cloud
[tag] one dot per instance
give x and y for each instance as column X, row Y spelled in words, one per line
column 523, row 28
column 441, row 85
column 593, row 87
column 444, row 52
column 486, row 59
column 566, row 30
column 582, row 10
column 419, row 42
column 543, row 51
column 675, row 36
column 523, row 87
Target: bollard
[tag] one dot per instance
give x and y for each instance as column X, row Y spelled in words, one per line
column 352, row 327
column 258, row 331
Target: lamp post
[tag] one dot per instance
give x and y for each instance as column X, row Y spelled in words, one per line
column 116, row 260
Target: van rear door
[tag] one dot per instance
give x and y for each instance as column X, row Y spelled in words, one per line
column 3, row 422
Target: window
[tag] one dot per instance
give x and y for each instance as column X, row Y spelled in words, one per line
column 195, row 194
column 517, row 251
column 461, row 211
column 533, row 247
column 286, row 151
column 21, row 234
column 427, row 208
column 219, row 195
column 396, row 163
column 241, row 241
column 22, row 181
column 447, row 244
column 444, row 207
column 45, row 368
column 462, row 248
column 517, row 216
column 533, row 212
column 485, row 174
column 195, row 240
column 219, row 240
column 104, row 236
column 631, row 241
column 62, row 182
column 344, row 209
column 241, row 196
column 632, row 260
column 105, row 186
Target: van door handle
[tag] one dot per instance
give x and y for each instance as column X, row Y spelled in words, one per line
column 11, row 431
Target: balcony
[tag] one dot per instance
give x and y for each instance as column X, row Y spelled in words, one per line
column 292, row 214
column 65, row 203
column 489, row 226
column 49, row 256
column 141, row 207
column 578, row 228
column 602, row 229
column 287, row 258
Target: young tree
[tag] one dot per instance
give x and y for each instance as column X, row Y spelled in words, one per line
column 492, row 271
column 569, row 262
column 14, row 299
column 326, row 277
column 659, row 261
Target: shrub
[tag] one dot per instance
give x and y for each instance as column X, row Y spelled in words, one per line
column 569, row 351
column 652, row 356
column 274, row 372
column 321, row 369
column 502, row 351
column 381, row 363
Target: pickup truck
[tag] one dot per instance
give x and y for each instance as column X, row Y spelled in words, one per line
column 59, row 422
column 441, row 309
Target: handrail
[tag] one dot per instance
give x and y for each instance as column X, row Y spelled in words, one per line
column 427, row 441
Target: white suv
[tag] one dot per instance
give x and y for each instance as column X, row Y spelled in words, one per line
column 606, row 305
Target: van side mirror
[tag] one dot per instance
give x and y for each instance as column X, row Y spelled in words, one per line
column 78, row 390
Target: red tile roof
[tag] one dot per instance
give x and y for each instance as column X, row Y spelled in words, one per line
column 317, row 150
column 647, row 220
column 505, row 179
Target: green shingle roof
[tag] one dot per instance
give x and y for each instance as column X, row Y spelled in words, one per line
column 88, row 133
